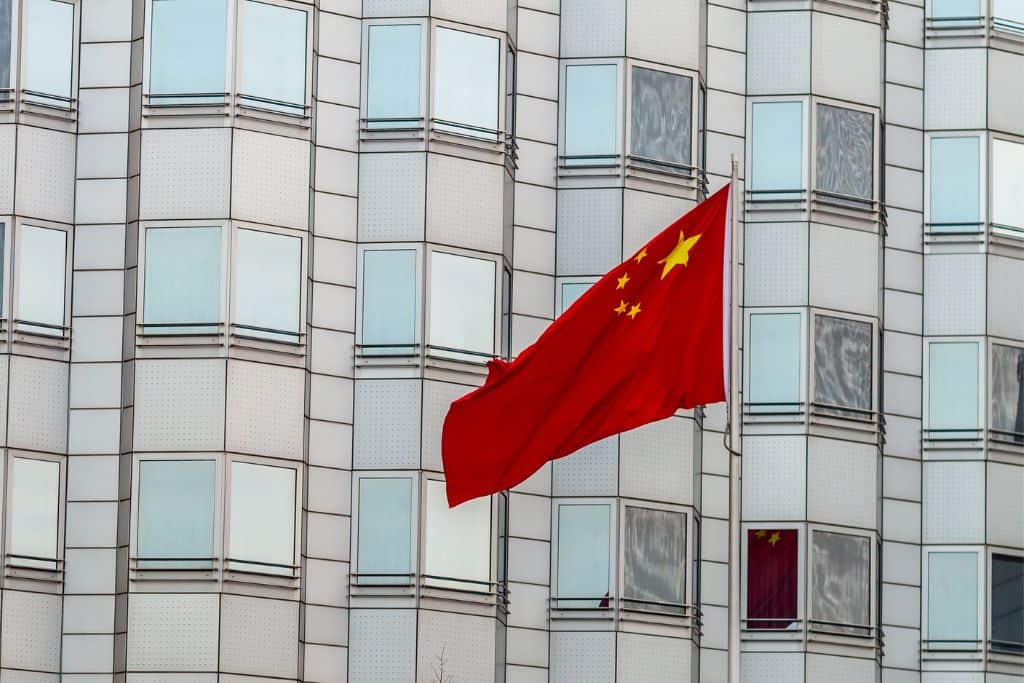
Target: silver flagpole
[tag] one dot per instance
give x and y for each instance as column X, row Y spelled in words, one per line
column 735, row 416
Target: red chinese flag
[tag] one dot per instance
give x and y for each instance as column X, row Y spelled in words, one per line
column 771, row 578
column 647, row 339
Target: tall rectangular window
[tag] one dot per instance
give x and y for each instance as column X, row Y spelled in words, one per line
column 1008, row 184
column 775, row 362
column 953, row 382
column 267, row 284
column 1008, row 603
column 842, row 363
column 777, row 150
column 1008, row 15
column 662, row 105
column 187, row 53
column 262, row 518
column 841, row 590
column 952, row 600
column 457, row 541
column 591, row 114
column 584, row 559
column 462, row 305
column 393, row 73
column 181, row 288
column 466, row 90
column 5, row 48
column 385, row 530
column 3, row 241
column 654, row 576
column 47, row 51
column 273, row 57
column 42, row 269
column 34, row 489
column 845, row 157
column 389, row 301
column 177, row 503
column 772, row 578
column 1008, row 392
column 954, row 184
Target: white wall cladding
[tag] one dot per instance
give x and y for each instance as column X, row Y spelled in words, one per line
column 264, row 409
column 179, row 405
column 30, row 631
column 464, row 203
column 467, row 641
column 383, row 645
column 387, row 424
column 270, row 179
column 38, row 404
column 846, row 63
column 392, row 197
column 582, row 657
column 259, row 636
column 954, row 89
column 770, row 667
column 589, row 237
column 776, row 263
column 45, row 185
column 185, row 174
column 173, row 632
column 774, row 485
column 593, row 28
column 8, row 135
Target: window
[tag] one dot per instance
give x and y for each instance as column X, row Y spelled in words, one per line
column 571, row 291
column 845, row 153
column 842, row 363
column 1008, row 392
column 177, row 503
column 466, row 90
column 655, row 560
column 953, row 384
column 841, row 589
column 42, row 272
column 5, row 48
column 47, row 52
column 1008, row 15
column 772, row 578
column 267, row 284
column 389, row 301
column 661, row 116
column 34, row 489
column 775, row 362
column 1008, row 603
column 457, row 542
column 385, row 530
column 462, row 305
column 954, row 184
column 584, row 559
column 591, row 114
column 393, row 75
column 506, row 313
column 952, row 600
column 188, row 51
column 1008, row 184
column 181, row 288
column 777, row 150
column 262, row 519
column 3, row 240
column 273, row 57
column 952, row 13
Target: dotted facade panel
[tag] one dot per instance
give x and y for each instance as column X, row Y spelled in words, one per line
column 840, row 669
column 774, row 478
column 954, row 294
column 7, row 138
column 45, row 186
column 589, row 234
column 179, row 405
column 1006, row 91
column 259, row 636
column 842, row 483
column 775, row 263
column 30, row 631
column 662, row 32
column 593, row 28
column 954, row 89
column 382, row 646
column 582, row 657
column 465, row 203
column 16, row 676
column 645, row 214
column 778, row 53
column 185, row 174
column 847, row 59
column 651, row 659
column 591, row 471
column 1005, row 297
column 172, row 632
column 173, row 678
column 468, row 643
column 437, row 397
column 771, row 667
column 395, row 8
column 387, row 424
column 954, row 502
column 656, row 461
column 265, row 409
column 38, row 405
column 392, row 197
column 490, row 13
column 1005, row 504
column 844, row 269
column 955, row 677
column 270, row 179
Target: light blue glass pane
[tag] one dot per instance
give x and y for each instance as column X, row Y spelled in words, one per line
column 952, row 386
column 393, row 74
column 49, row 35
column 389, row 297
column 182, row 278
column 273, row 56
column 955, row 184
column 1010, row 10
column 952, row 596
column 775, row 359
column 777, row 153
column 188, row 47
column 571, row 291
column 583, row 553
column 3, row 239
column 41, row 275
column 957, row 8
column 466, row 76
column 385, row 527
column 177, row 500
column 591, row 104
column 5, row 47
column 267, row 282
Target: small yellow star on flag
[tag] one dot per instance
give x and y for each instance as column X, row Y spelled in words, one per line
column 622, row 281
column 774, row 538
column 634, row 312
column 679, row 255
column 621, row 308
column 641, row 255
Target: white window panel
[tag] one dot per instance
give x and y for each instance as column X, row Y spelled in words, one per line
column 182, row 280
column 267, row 284
column 953, row 600
column 584, row 558
column 591, row 114
column 777, row 150
column 1008, row 184
column 35, row 512
column 393, row 74
column 384, row 554
column 388, row 300
column 466, row 89
column 954, row 184
column 774, row 369
column 176, row 518
column 462, row 303
column 457, row 541
column 42, row 270
column 262, row 518
column 953, row 386
column 5, row 47
column 187, row 51
column 48, row 41
column 273, row 57
column 1008, row 14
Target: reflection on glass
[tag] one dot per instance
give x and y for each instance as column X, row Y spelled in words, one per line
column 841, row 592
column 776, row 150
column 571, row 291
column 954, row 9
column 267, row 281
column 273, row 57
column 35, row 501
column 953, row 389
column 1008, row 15
column 955, row 184
column 385, row 530
column 181, row 292
column 42, row 254
column 5, row 47
column 1008, row 184
column 457, row 542
column 187, row 51
column 591, row 106
column 48, row 40
column 661, row 116
column 772, row 578
column 466, row 83
column 583, row 556
column 774, row 380
column 1008, row 392
column 462, row 304
column 845, row 155
column 842, row 363
column 389, row 301
column 393, row 75
column 952, row 599
column 655, row 559
column 262, row 515
column 177, row 499
column 1008, row 603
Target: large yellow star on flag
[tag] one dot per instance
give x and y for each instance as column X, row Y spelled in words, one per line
column 679, row 255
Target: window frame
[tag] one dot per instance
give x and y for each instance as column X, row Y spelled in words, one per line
column 985, row 625
column 982, row 588
column 998, row 229
column 1004, row 439
column 689, row 607
column 462, row 355
column 826, row 197
column 570, row 280
column 691, row 170
column 983, row 185
column 420, row 559
column 618, row 158
column 6, row 275
column 19, row 59
column 800, row 407
column 415, row 130
column 13, row 568
column 871, row 628
column 982, row 398
column 802, row 583
column 419, row 314
column 806, row 131
column 63, row 339
column 613, row 583
column 843, row 412
column 414, row 536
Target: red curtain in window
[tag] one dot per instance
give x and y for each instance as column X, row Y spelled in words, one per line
column 771, row 578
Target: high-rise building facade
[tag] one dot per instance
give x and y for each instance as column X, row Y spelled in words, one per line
column 252, row 249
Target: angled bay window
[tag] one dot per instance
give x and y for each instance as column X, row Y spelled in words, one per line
column 462, row 303
column 1008, row 603
column 47, row 52
column 654, row 571
column 583, row 573
column 393, row 74
column 39, row 288
column 841, row 583
column 272, row 57
column 776, row 151
column 590, row 124
column 1008, row 15
column 774, row 375
column 261, row 532
column 843, row 365
column 953, row 600
column 187, row 52
column 457, row 542
column 182, row 280
column 772, row 578
column 1008, row 185
column 1008, row 393
column 388, row 311
column 953, row 383
column 35, row 495
column 176, row 511
column 267, row 268
column 954, row 184
column 466, row 83
column 845, row 153
column 384, row 532
column 661, row 113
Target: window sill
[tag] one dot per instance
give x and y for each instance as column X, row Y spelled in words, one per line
column 34, row 569
column 864, row 423
column 51, row 341
column 481, row 144
column 149, row 337
column 687, row 181
column 292, row 344
column 772, row 205
column 969, row 443
column 854, row 212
